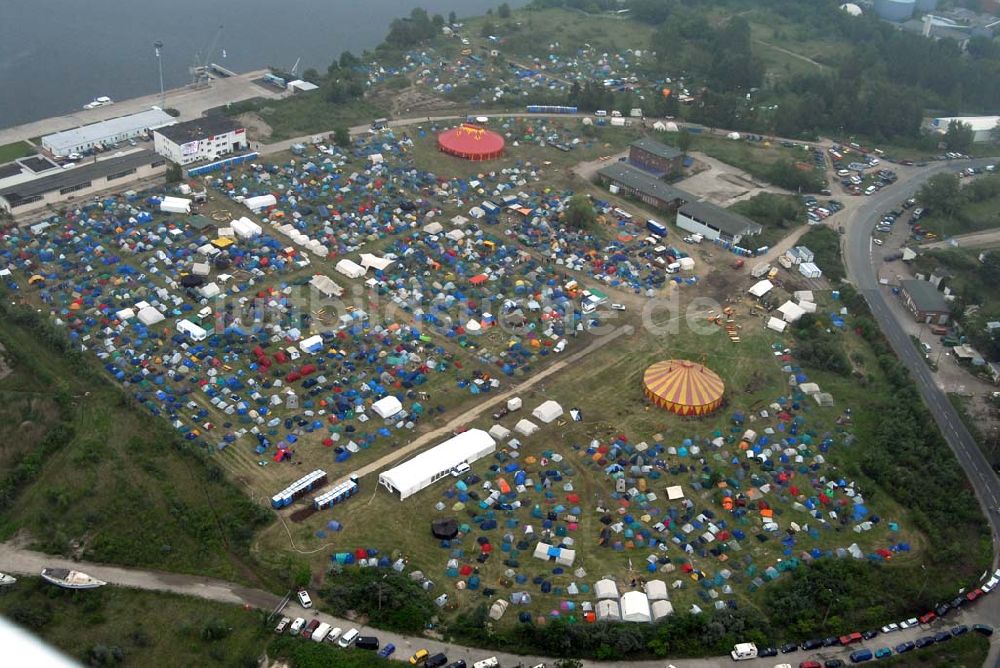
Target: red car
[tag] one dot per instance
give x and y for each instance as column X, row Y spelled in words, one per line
column 850, row 638
column 974, row 594
column 928, row 617
column 810, row 664
column 307, row 632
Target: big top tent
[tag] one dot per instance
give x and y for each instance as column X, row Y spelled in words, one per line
column 683, row 387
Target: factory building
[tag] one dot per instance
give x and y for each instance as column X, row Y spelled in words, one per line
column 105, row 133
column 202, row 139
column 652, row 156
column 983, row 127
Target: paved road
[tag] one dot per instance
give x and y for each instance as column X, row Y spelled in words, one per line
column 26, row 562
column 860, row 270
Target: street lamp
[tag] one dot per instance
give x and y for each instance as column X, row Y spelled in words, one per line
column 157, row 45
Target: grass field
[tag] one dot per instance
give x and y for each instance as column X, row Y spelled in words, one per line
column 972, row 217
column 14, row 151
column 751, row 157
column 306, row 114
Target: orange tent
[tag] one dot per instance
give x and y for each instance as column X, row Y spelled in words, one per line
column 683, row 387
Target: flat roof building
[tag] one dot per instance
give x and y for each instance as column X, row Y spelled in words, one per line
column 715, row 223
column 111, row 131
column 983, row 127
column 84, row 179
column 201, row 139
column 923, row 300
column 652, row 156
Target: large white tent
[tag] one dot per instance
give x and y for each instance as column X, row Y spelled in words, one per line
column 326, row 285
column 635, row 607
column 606, row 589
column 369, row 261
column 656, row 590
column 260, row 202
column 547, row 412
column 387, row 407
column 350, row 268
column 790, row 311
column 761, row 288
column 525, row 427
column 431, row 465
column 661, row 609
column 149, row 316
column 607, row 611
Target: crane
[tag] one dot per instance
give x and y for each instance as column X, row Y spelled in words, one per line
column 200, row 70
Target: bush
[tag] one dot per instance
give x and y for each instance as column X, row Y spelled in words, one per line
column 391, row 600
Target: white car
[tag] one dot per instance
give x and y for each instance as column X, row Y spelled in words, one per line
column 304, row 598
column 618, row 307
column 877, row 242
column 461, row 470
column 334, row 634
column 890, row 628
column 909, row 623
column 296, row 626
column 282, row 625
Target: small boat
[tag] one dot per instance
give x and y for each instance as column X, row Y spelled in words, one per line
column 63, row 577
column 7, row 580
column 101, row 101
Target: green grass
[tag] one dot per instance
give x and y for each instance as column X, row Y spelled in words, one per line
column 18, row 149
column 972, row 217
column 779, row 215
column 85, row 474
column 968, row 651
column 989, row 447
column 306, row 114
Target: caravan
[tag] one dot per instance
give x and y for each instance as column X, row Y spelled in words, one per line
column 192, row 330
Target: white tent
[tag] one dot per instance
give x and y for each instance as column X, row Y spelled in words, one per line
column 566, row 557
column 350, row 268
column 455, row 235
column 514, row 404
column 526, row 427
column 761, row 288
column 606, row 589
column 499, row 432
column 808, row 307
column 386, row 407
column 125, row 314
column 175, row 205
column 790, row 311
column 260, row 202
column 672, row 127
column 326, row 286
column 675, row 492
column 244, row 228
column 415, row 474
column 656, row 590
column 687, row 263
column 547, row 412
column 661, row 609
column 803, row 296
column 149, row 316
column 312, row 344
column 498, row 608
column 607, row 611
column 659, row 126
column 776, row 324
column 733, row 135
column 369, row 261
column 201, row 269
column 433, row 228
column 635, row 607
column 542, row 551
column 809, row 388
column 209, row 291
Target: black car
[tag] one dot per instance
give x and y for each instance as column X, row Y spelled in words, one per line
column 833, row 663
column 958, row 602
column 811, row 644
column 767, row 651
column 904, row 647
column 788, row 648
column 868, row 635
column 959, row 631
column 456, row 664
column 942, row 636
column 832, row 641
column 926, row 641
column 436, row 661
column 985, row 629
column 942, row 609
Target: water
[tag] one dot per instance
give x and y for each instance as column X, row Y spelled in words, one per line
column 57, row 55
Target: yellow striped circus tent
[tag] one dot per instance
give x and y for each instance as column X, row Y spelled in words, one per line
column 683, row 387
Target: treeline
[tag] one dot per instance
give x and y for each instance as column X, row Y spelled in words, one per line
column 390, row 600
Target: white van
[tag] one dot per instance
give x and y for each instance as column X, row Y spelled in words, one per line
column 195, row 332
column 461, row 470
column 348, row 638
column 334, row 634
column 321, row 631
column 296, row 626
column 491, row 662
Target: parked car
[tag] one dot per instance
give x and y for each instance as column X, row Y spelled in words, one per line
column 882, row 652
column 282, row 625
column 767, row 651
column 307, row 632
column 942, row 609
column 868, row 635
column 925, row 641
column 436, row 661
column 419, row 657
column 334, row 635
column 304, row 598
column 296, row 626
column 387, row 651
column 812, row 644
column 984, row 629
column 366, row 642
column 348, row 638
column 928, row 617
column 909, row 623
column 850, row 638
column 833, row 663
column 832, row 641
column 974, row 594
column 942, row 636
column 788, row 648
column 890, row 628
column 959, row 631
column 904, row 647
column 810, row 664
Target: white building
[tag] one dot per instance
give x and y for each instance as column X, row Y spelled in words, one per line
column 982, row 126
column 203, row 139
column 713, row 222
column 105, row 133
column 430, row 466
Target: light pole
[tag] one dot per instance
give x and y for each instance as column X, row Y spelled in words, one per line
column 157, row 45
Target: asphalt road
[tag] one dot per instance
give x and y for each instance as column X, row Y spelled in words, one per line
column 862, row 273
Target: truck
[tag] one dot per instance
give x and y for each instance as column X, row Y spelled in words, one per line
column 657, row 228
column 744, row 651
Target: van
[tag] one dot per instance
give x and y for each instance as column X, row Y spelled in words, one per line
column 348, row 638
column 600, row 112
column 296, row 626
column 334, row 634
column 487, row 663
column 461, row 470
column 320, row 633
column 366, row 642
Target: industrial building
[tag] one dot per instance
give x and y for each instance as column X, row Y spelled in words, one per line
column 715, row 223
column 896, row 11
column 630, row 180
column 202, row 139
column 652, row 156
column 983, row 127
column 923, row 300
column 84, row 179
column 105, row 133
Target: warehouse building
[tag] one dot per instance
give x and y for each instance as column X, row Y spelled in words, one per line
column 105, row 133
column 624, row 178
column 652, row 156
column 983, row 127
column 85, row 179
column 924, row 301
column 202, row 139
column 715, row 223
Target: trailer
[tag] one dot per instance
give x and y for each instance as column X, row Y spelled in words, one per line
column 298, row 489
column 550, row 109
column 338, row 494
column 657, row 228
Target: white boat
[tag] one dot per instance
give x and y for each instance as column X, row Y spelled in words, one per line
column 101, row 101
column 7, row 580
column 68, row 579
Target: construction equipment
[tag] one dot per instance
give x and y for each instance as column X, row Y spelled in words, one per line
column 201, row 70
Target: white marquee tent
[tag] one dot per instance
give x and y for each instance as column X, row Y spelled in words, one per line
column 606, row 589
column 635, row 607
column 661, row 609
column 656, row 590
column 431, row 465
column 547, row 412
column 387, row 407
column 607, row 611
column 761, row 288
column 350, row 268
column 149, row 316
column 525, row 427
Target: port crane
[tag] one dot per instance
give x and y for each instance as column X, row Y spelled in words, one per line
column 201, row 70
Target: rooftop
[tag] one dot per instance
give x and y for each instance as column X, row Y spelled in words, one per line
column 633, row 177
column 74, row 176
column 925, row 296
column 727, row 221
column 65, row 142
column 656, row 148
column 199, row 128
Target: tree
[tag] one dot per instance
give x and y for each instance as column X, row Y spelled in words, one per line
column 452, row 19
column 580, row 212
column 311, row 74
column 438, row 21
column 958, row 136
column 503, row 11
column 568, row 663
column 684, row 139
column 348, row 60
column 174, row 173
column 488, row 29
column 342, row 137
column 941, row 193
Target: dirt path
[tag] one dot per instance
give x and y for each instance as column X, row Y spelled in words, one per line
column 797, row 56
column 971, row 240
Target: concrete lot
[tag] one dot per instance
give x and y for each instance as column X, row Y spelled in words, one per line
column 724, row 184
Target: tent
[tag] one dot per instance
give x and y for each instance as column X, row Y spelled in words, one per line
column 776, row 324
column 445, row 528
column 369, row 261
column 149, row 316
column 607, row 611
column 433, row 228
column 606, row 589
column 499, row 432
column 791, row 312
column 175, row 205
column 661, row 609
column 547, row 412
column 312, row 344
column 810, row 270
column 656, row 590
column 683, row 387
column 326, row 286
column 542, row 551
column 803, row 296
column 209, row 291
column 244, row 228
column 566, row 556
column 386, row 407
column 259, row 203
column 635, row 607
column 761, row 288
column 350, row 268
column 415, row 474
column 498, row 608
column 675, row 492
column 525, row 427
